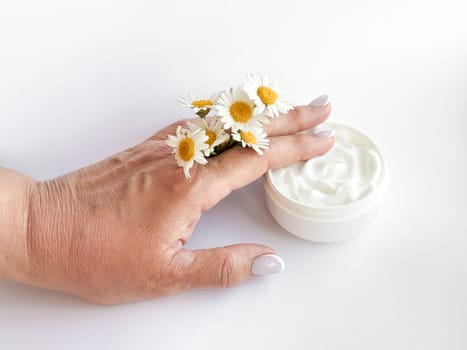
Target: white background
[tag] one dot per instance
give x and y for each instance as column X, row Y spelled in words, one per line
column 80, row 80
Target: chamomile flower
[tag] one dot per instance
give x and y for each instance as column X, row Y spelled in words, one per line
column 255, row 138
column 266, row 95
column 198, row 102
column 188, row 147
column 237, row 110
column 213, row 129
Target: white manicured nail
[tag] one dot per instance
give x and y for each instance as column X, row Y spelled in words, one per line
column 267, row 264
column 325, row 133
column 321, row 101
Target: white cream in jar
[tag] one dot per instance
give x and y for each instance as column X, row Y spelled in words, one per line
column 350, row 171
column 333, row 196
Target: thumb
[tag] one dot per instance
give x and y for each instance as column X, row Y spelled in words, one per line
column 230, row 265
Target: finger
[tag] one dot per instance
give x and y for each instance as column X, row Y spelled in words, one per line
column 226, row 266
column 239, row 166
column 298, row 119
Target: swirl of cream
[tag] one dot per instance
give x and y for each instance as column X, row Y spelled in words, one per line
column 350, row 171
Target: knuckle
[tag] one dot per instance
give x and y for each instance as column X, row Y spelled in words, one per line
column 118, row 159
column 228, row 277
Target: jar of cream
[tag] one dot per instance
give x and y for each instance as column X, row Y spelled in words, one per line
column 332, row 197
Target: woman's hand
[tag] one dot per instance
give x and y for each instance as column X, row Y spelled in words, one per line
column 115, row 231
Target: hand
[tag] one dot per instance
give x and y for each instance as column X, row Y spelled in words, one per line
column 114, row 232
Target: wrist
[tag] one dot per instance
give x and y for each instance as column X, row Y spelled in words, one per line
column 15, row 194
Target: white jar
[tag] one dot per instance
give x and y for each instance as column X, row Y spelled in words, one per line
column 332, row 197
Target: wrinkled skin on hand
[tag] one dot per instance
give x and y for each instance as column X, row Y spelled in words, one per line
column 115, row 231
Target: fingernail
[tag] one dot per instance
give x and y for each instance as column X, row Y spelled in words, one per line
column 267, row 264
column 321, row 101
column 325, row 133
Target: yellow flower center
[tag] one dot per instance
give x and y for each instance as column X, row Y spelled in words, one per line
column 212, row 136
column 186, row 149
column 248, row 137
column 202, row 103
column 241, row 111
column 267, row 95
